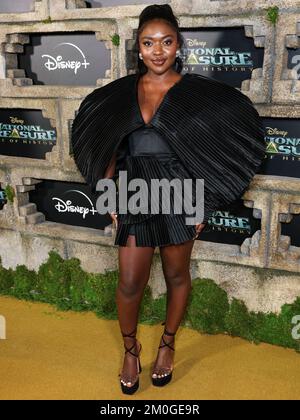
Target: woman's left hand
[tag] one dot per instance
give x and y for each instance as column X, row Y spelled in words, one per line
column 199, row 228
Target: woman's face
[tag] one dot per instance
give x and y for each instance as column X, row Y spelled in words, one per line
column 158, row 45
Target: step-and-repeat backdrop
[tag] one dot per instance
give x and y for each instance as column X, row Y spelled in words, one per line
column 78, row 59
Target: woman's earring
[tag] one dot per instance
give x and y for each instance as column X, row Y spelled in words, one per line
column 140, row 55
column 177, row 53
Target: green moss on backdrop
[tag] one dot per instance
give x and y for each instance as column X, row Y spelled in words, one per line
column 64, row 284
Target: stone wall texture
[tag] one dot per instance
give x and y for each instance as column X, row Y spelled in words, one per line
column 265, row 270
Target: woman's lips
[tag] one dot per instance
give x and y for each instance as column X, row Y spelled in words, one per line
column 158, row 62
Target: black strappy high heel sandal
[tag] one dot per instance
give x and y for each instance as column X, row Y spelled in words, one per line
column 129, row 390
column 164, row 380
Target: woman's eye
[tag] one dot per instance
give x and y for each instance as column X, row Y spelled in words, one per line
column 148, row 43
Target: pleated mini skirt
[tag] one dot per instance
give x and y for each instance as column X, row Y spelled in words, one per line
column 149, row 157
column 159, row 230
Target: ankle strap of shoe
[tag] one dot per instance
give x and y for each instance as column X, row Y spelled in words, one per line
column 129, row 349
column 167, row 344
column 168, row 333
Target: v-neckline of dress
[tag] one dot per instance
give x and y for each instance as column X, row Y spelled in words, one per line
column 162, row 101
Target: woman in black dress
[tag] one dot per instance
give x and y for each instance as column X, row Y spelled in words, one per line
column 160, row 124
column 159, row 47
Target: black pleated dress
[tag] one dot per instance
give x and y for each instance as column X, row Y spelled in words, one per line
column 146, row 155
column 213, row 128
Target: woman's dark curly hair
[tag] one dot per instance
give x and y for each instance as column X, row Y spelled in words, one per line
column 158, row 11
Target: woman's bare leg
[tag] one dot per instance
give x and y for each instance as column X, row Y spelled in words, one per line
column 176, row 268
column 134, row 268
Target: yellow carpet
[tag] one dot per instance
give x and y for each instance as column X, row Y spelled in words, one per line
column 67, row 355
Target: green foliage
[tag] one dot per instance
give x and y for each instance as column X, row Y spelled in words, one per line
column 260, row 327
column 275, row 329
column 64, row 284
column 106, row 290
column 24, row 281
column 54, row 282
column 115, row 40
column 273, row 14
column 6, row 279
column 208, row 307
column 9, row 193
column 278, row 331
column 76, row 284
column 239, row 322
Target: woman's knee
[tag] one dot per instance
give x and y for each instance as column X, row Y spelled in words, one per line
column 131, row 287
column 178, row 279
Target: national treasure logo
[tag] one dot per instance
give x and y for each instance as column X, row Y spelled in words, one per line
column 282, row 155
column 25, row 133
column 225, row 221
column 228, row 54
column 17, row 131
column 199, row 55
column 231, row 225
column 280, row 143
